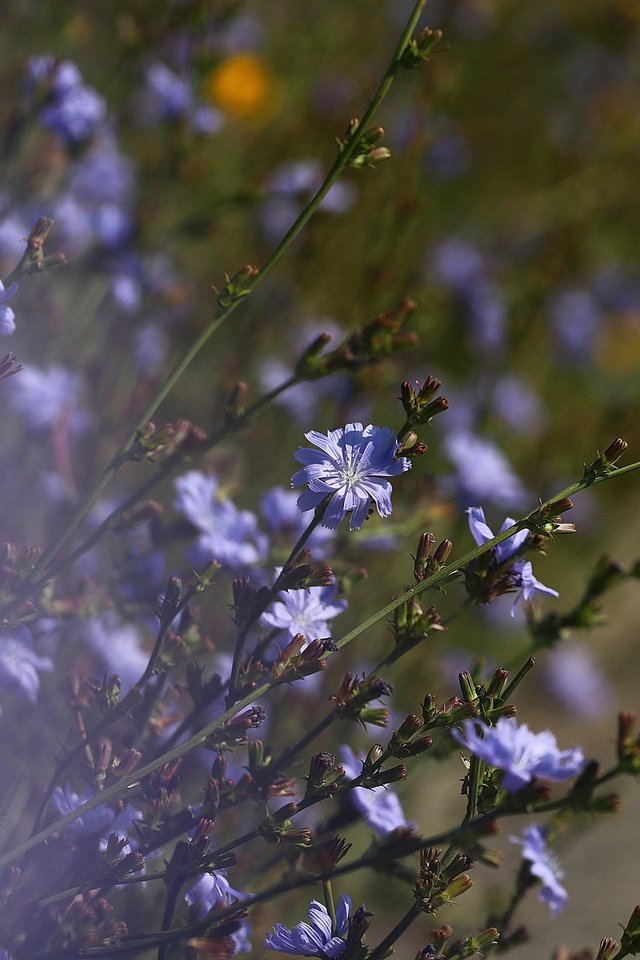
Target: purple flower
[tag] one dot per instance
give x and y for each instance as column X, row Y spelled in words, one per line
column 482, row 470
column 7, row 316
column 544, row 865
column 518, row 752
column 350, row 468
column 305, row 611
column 19, row 664
column 313, row 939
column 379, row 806
column 226, row 534
column 521, row 570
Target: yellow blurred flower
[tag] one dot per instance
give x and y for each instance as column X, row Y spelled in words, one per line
column 618, row 347
column 241, row 85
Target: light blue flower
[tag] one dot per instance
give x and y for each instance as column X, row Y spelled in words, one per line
column 379, row 806
column 226, row 534
column 544, row 865
column 314, row 939
column 521, row 571
column 305, row 611
column 518, row 752
column 350, row 467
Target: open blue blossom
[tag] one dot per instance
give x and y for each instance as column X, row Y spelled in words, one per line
column 7, row 316
column 313, row 939
column 380, row 807
column 521, row 570
column 306, row 611
column 226, row 534
column 19, row 664
column 518, row 752
column 544, row 865
column 350, row 468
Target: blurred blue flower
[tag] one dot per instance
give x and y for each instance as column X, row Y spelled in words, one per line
column 119, row 646
column 350, row 467
column 316, row 938
column 226, row 534
column 518, row 752
column 71, row 108
column 467, row 272
column 168, row 96
column 305, row 611
column 101, row 820
column 7, row 316
column 379, row 806
column 518, row 405
column 575, row 321
column 76, row 114
column 289, row 189
column 574, row 677
column 544, row 865
column 482, row 470
column 279, row 508
column 521, row 570
column 19, row 664
column 47, row 398
column 208, row 891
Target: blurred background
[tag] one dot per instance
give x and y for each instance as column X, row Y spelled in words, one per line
column 509, row 211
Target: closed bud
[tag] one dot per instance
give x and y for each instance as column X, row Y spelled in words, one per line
column 236, row 402
column 608, row 948
column 373, row 758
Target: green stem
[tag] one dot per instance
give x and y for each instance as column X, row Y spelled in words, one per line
column 342, row 160
column 381, row 950
column 263, row 603
column 327, row 892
